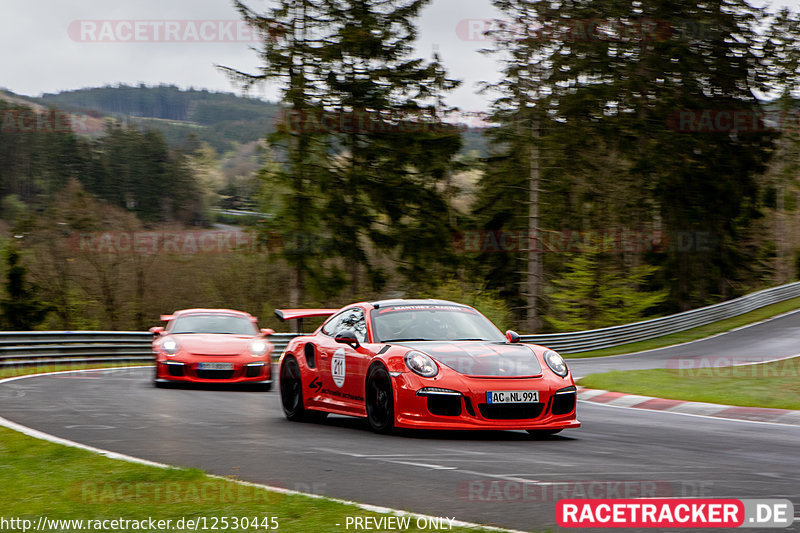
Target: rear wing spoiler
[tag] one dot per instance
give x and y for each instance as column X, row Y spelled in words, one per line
column 291, row 314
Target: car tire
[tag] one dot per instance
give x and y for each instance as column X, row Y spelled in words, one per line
column 542, row 433
column 292, row 394
column 292, row 390
column 156, row 383
column 379, row 400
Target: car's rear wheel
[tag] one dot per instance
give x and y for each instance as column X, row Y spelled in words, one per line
column 292, row 394
column 542, row 433
column 292, row 390
column 380, row 400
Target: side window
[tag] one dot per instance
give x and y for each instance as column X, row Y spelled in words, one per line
column 352, row 319
column 330, row 326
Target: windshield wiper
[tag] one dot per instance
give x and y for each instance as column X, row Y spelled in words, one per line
column 403, row 340
column 470, row 339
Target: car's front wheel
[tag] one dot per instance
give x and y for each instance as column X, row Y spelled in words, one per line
column 380, row 400
column 156, row 382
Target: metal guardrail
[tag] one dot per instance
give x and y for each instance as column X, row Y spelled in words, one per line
column 45, row 348
column 48, row 348
column 596, row 339
column 72, row 347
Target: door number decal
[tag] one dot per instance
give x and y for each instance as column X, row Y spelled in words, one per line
column 338, row 367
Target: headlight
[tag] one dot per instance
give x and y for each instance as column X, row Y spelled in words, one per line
column 556, row 363
column 170, row 346
column 258, row 348
column 421, row 364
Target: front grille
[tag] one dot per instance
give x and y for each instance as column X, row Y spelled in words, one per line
column 214, row 374
column 563, row 402
column 253, row 371
column 444, row 405
column 176, row 371
column 468, row 405
column 518, row 411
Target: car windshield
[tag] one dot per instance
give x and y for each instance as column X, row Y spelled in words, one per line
column 431, row 323
column 226, row 324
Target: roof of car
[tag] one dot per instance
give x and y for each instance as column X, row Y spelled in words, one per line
column 210, row 311
column 425, row 301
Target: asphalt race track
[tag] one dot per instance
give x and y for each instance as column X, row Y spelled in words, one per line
column 771, row 339
column 498, row 478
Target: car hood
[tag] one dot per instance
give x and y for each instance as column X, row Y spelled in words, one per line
column 479, row 358
column 212, row 343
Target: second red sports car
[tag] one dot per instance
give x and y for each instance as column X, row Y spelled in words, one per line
column 423, row 364
column 212, row 346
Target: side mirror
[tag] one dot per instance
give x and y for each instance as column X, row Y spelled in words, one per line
column 512, row 336
column 267, row 331
column 347, row 336
column 156, row 331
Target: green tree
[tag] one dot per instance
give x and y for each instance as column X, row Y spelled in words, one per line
column 595, row 291
column 611, row 150
column 395, row 155
column 291, row 34
column 782, row 71
column 374, row 185
column 22, row 307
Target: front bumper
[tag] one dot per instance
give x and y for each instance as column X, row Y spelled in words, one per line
column 465, row 405
column 243, row 371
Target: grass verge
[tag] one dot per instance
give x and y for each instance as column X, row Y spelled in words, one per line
column 43, row 480
column 697, row 333
column 774, row 385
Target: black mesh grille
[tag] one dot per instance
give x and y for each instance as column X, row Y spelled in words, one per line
column 253, row 371
column 444, row 405
column 175, row 371
column 511, row 412
column 214, row 374
column 563, row 403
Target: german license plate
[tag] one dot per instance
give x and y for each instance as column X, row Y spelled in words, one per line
column 215, row 366
column 512, row 396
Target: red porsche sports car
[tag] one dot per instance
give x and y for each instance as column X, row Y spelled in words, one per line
column 423, row 364
column 212, row 346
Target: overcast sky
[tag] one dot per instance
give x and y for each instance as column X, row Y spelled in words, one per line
column 54, row 45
